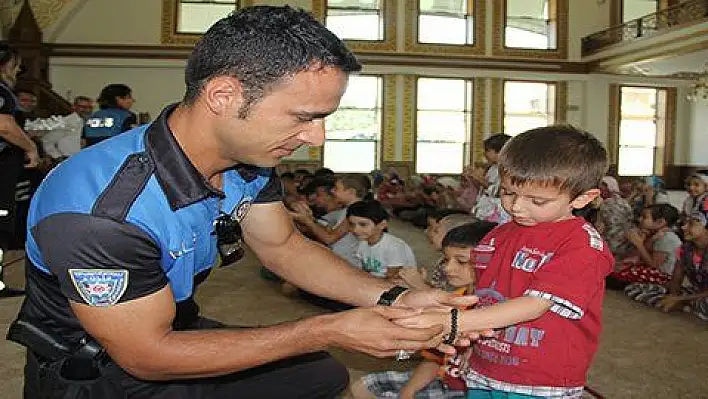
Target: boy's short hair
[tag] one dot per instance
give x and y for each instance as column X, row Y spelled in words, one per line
column 560, row 156
column 467, row 235
column 360, row 183
column 667, row 212
column 495, row 142
column 315, row 183
column 372, row 210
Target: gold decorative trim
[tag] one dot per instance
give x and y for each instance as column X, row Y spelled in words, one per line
column 169, row 34
column 496, row 123
column 409, row 116
column 388, row 135
column 390, row 12
column 316, row 154
column 613, row 121
column 670, row 132
column 561, row 112
column 480, row 117
column 499, row 49
column 412, row 46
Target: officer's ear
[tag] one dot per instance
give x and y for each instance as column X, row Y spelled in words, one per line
column 223, row 95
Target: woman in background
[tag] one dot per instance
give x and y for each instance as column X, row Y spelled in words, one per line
column 113, row 117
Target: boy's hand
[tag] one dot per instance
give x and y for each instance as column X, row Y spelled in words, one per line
column 670, row 303
column 434, row 298
column 412, row 278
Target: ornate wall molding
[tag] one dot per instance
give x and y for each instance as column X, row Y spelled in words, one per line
column 388, row 134
column 411, row 44
column 479, row 120
column 499, row 49
column 409, row 117
column 613, row 120
column 496, row 122
column 390, row 14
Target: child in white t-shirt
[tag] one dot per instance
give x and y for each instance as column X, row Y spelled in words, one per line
column 378, row 250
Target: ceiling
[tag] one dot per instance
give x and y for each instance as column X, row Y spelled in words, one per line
column 683, row 65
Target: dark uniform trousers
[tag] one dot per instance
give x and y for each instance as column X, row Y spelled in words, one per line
column 11, row 165
column 311, row 376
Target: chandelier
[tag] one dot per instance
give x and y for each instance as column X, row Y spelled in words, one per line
column 698, row 90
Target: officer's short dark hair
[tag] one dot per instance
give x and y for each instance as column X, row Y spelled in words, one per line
column 109, row 95
column 495, row 142
column 559, row 156
column 260, row 46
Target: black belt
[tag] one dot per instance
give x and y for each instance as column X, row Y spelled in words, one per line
column 35, row 336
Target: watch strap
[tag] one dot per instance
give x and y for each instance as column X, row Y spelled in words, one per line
column 390, row 296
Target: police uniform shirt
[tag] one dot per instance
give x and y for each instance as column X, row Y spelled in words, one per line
column 122, row 219
column 9, row 106
column 108, row 122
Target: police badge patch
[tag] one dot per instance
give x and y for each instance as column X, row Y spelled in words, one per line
column 242, row 208
column 100, row 287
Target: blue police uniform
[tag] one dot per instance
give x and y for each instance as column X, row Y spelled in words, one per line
column 106, row 123
column 11, row 160
column 122, row 219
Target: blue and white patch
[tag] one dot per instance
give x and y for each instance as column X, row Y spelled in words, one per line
column 100, row 287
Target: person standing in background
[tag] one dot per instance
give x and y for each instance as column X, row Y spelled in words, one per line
column 113, row 117
column 16, row 147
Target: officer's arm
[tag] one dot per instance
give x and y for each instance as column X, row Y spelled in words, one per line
column 110, row 273
column 269, row 232
column 138, row 336
column 12, row 133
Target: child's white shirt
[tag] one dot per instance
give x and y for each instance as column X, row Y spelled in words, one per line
column 390, row 251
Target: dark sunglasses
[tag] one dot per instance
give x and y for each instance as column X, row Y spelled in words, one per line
column 229, row 239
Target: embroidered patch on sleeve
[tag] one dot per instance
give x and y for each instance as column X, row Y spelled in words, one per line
column 100, row 287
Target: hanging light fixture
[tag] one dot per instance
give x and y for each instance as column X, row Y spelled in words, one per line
column 698, row 90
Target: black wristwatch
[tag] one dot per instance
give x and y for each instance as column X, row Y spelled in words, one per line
column 390, row 296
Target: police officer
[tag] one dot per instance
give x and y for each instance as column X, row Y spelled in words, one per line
column 113, row 117
column 121, row 234
column 16, row 149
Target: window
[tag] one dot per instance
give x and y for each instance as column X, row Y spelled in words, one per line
column 528, row 105
column 356, row 19
column 443, row 124
column 446, row 21
column 633, row 9
column 531, row 24
column 354, row 130
column 196, row 16
column 642, row 131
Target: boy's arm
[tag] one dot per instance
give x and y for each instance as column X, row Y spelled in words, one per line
column 635, row 238
column 422, row 376
column 324, row 234
column 513, row 311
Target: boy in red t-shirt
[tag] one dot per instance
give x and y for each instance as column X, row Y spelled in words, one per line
column 542, row 277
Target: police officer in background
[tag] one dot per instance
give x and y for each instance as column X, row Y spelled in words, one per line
column 16, row 149
column 113, row 117
column 121, row 234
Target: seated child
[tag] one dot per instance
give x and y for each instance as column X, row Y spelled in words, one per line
column 613, row 220
column 541, row 276
column 697, row 200
column 434, row 377
column 692, row 264
column 422, row 278
column 378, row 250
column 656, row 246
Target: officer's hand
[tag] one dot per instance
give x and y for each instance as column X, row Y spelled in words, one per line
column 32, row 159
column 371, row 331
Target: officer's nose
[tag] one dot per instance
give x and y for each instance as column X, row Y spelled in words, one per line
column 315, row 135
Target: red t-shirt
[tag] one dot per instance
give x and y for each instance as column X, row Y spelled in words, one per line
column 565, row 262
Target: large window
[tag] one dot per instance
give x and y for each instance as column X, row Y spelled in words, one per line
column 196, row 16
column 528, row 105
column 446, row 21
column 443, row 124
column 354, row 130
column 642, row 131
column 531, row 24
column 356, row 19
column 633, row 9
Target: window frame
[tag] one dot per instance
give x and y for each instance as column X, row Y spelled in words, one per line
column 500, row 49
column 467, row 146
column 378, row 143
column 389, row 13
column 560, row 95
column 663, row 155
column 170, row 18
column 478, row 48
